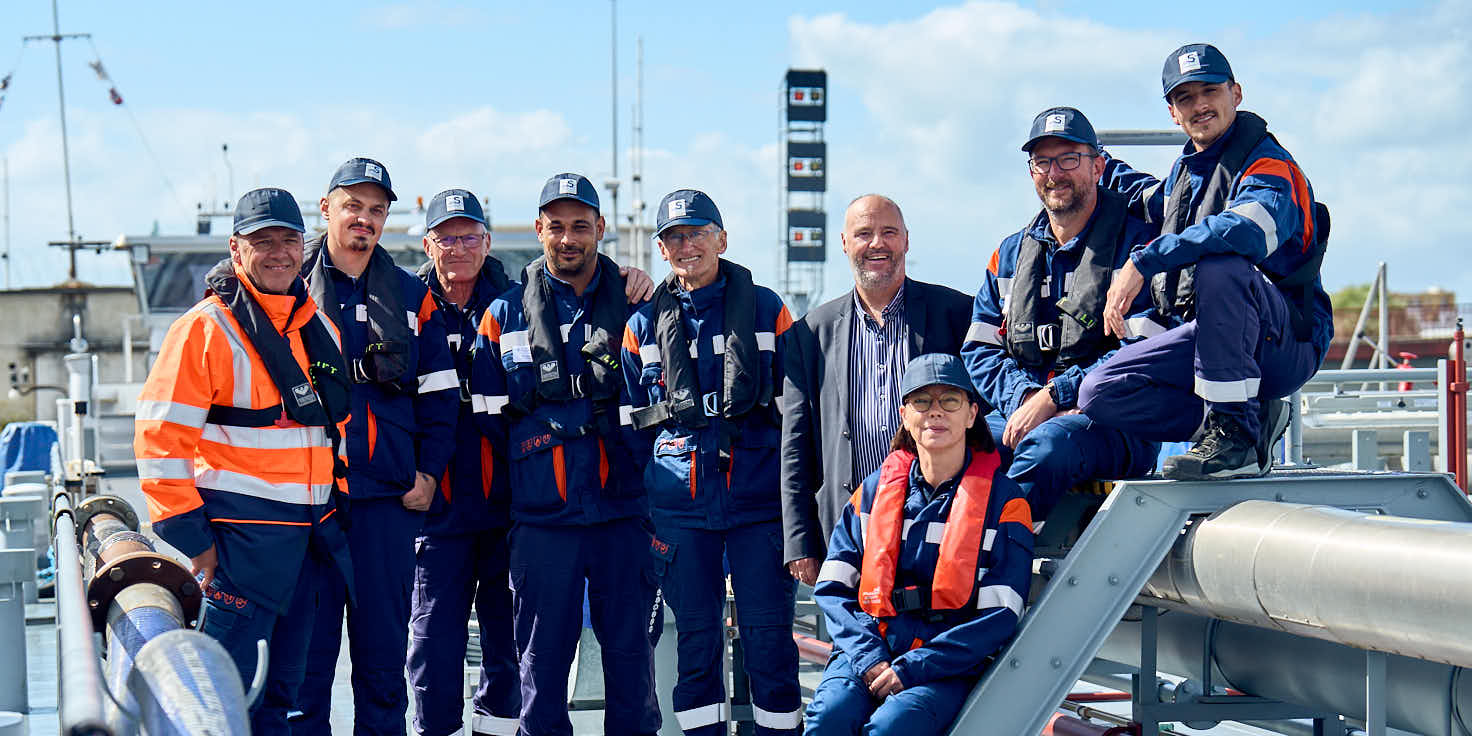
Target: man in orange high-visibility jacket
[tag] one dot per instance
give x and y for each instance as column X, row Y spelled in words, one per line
column 236, row 436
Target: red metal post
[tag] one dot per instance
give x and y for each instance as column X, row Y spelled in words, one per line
column 1457, row 405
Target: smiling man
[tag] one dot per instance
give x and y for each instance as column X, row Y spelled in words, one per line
column 399, row 442
column 1237, row 265
column 703, row 366
column 840, row 396
column 237, row 432
column 1037, row 323
column 545, row 377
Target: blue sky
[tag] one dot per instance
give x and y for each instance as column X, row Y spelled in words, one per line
column 928, row 103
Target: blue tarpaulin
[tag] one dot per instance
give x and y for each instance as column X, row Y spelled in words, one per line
column 27, row 446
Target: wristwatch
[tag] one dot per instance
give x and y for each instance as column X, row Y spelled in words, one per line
column 1053, row 393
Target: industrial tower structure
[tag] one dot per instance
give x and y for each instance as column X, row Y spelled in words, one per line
column 804, row 218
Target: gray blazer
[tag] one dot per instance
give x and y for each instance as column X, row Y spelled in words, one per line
column 817, row 452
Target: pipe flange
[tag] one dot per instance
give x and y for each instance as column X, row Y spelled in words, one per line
column 142, row 567
column 95, row 505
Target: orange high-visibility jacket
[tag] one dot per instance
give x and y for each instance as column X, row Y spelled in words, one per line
column 258, row 494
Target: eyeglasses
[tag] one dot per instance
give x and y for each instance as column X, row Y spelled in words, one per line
column 923, row 402
column 675, row 240
column 450, row 241
column 1066, row 162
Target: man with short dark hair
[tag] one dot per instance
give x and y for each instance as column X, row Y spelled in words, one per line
column 546, row 375
column 1238, row 262
column 1037, row 324
column 399, row 441
column 840, row 399
column 237, row 433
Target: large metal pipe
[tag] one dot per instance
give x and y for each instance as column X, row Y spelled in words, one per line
column 1373, row 582
column 1422, row 697
column 188, row 685
column 79, row 680
column 139, row 613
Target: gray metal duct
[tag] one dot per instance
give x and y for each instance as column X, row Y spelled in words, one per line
column 1423, row 697
column 1368, row 581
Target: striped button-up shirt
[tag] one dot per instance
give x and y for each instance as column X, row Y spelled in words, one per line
column 877, row 357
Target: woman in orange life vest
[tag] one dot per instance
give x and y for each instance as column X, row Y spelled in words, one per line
column 927, row 569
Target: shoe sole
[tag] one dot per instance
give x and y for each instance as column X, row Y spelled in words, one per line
column 1192, row 472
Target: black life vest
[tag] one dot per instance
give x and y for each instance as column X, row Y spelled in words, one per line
column 1174, row 292
column 491, row 282
column 742, row 390
column 601, row 380
column 386, row 357
column 1078, row 334
column 321, row 401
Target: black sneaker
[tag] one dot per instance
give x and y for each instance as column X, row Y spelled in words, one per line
column 1274, row 416
column 1227, row 450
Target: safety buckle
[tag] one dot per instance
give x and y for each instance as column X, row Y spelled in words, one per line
column 1048, row 337
column 910, row 598
column 359, row 373
column 575, row 386
column 712, row 404
column 465, row 390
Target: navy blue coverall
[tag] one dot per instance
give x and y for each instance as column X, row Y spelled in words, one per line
column 703, row 514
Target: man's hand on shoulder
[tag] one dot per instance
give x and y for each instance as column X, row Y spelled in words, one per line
column 638, row 286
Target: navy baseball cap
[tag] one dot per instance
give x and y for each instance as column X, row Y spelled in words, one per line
column 937, row 368
column 450, row 204
column 686, row 207
column 362, row 171
column 1061, row 122
column 268, row 207
column 1194, row 62
column 569, row 186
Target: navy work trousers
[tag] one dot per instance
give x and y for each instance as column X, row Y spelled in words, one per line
column 550, row 566
column 454, row 573
column 1068, row 450
column 842, row 705
column 238, row 623
column 1240, row 349
column 381, row 542
column 694, row 582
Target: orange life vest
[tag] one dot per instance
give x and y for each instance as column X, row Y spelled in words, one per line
column 960, row 545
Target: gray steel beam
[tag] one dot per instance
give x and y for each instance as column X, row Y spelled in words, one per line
column 1129, row 537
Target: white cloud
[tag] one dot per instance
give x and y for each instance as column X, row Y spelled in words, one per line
column 1372, row 106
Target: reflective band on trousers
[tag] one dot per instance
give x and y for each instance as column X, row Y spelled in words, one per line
column 705, row 715
column 494, row 725
column 776, row 721
column 1227, row 392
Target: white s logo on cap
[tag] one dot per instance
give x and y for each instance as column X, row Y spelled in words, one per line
column 1189, row 61
column 1054, row 123
column 567, row 186
column 373, row 171
column 677, row 208
column 454, row 203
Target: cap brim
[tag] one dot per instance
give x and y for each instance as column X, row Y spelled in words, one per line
column 1028, row 146
column 574, row 198
column 250, row 227
column 364, row 180
column 1207, row 77
column 678, row 221
column 432, row 224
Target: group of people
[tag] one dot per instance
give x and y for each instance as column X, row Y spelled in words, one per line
column 329, row 435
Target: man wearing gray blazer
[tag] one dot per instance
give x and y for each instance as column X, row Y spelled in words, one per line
column 843, row 363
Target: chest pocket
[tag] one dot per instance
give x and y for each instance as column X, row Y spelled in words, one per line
column 538, row 468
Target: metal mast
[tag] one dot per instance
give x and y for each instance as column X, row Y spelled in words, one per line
column 57, row 37
column 638, row 246
column 803, row 216
column 612, row 183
